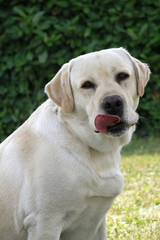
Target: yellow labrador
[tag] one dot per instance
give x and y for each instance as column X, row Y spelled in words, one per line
column 59, row 172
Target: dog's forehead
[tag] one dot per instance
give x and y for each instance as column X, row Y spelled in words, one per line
column 100, row 63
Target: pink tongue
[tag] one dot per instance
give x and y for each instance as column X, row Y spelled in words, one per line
column 103, row 121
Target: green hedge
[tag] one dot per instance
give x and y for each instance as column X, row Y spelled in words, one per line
column 37, row 37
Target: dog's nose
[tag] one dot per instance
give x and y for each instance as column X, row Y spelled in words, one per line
column 113, row 105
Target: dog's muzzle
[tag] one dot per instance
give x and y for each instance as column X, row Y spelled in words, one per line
column 112, row 121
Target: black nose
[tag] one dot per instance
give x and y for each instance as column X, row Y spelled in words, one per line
column 113, row 105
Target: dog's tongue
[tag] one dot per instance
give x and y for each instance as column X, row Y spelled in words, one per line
column 103, row 121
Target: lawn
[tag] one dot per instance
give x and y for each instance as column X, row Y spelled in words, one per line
column 135, row 214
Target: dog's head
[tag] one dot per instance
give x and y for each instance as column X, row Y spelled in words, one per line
column 100, row 91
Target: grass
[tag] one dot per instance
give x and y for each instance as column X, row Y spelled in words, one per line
column 135, row 214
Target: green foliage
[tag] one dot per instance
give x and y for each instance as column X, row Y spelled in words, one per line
column 37, row 37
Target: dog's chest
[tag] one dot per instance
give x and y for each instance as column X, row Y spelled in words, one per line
column 84, row 223
column 83, row 220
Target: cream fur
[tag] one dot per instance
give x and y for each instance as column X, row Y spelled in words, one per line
column 58, row 178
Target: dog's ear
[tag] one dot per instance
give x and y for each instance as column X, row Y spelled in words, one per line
column 142, row 72
column 59, row 89
column 142, row 75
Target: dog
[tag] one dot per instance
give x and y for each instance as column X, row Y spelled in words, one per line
column 59, row 171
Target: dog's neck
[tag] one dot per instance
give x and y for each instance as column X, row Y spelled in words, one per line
column 100, row 142
column 103, row 152
column 104, row 164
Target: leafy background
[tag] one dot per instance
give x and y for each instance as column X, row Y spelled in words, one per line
column 37, row 37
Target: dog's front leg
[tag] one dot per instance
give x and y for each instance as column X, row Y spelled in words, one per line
column 102, row 232
column 43, row 233
column 43, row 229
column 41, row 236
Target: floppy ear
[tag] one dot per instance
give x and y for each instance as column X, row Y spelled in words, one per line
column 142, row 72
column 142, row 75
column 59, row 89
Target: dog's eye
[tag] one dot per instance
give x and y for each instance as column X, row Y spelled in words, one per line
column 88, row 85
column 122, row 76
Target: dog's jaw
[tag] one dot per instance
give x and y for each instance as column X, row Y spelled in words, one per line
column 101, row 142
